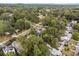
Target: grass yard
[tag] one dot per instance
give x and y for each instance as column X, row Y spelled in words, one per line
column 69, row 50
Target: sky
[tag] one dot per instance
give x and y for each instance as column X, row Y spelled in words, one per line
column 41, row 1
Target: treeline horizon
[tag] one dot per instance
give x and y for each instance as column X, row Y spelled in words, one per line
column 39, row 5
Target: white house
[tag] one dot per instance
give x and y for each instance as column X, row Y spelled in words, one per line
column 8, row 49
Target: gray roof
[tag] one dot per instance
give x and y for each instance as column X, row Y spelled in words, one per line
column 17, row 45
column 56, row 52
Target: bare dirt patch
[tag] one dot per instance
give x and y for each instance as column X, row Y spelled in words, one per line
column 4, row 38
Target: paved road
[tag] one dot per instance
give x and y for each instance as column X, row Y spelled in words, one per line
column 64, row 39
column 26, row 31
column 21, row 34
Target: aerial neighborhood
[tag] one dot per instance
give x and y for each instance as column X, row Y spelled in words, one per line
column 39, row 31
